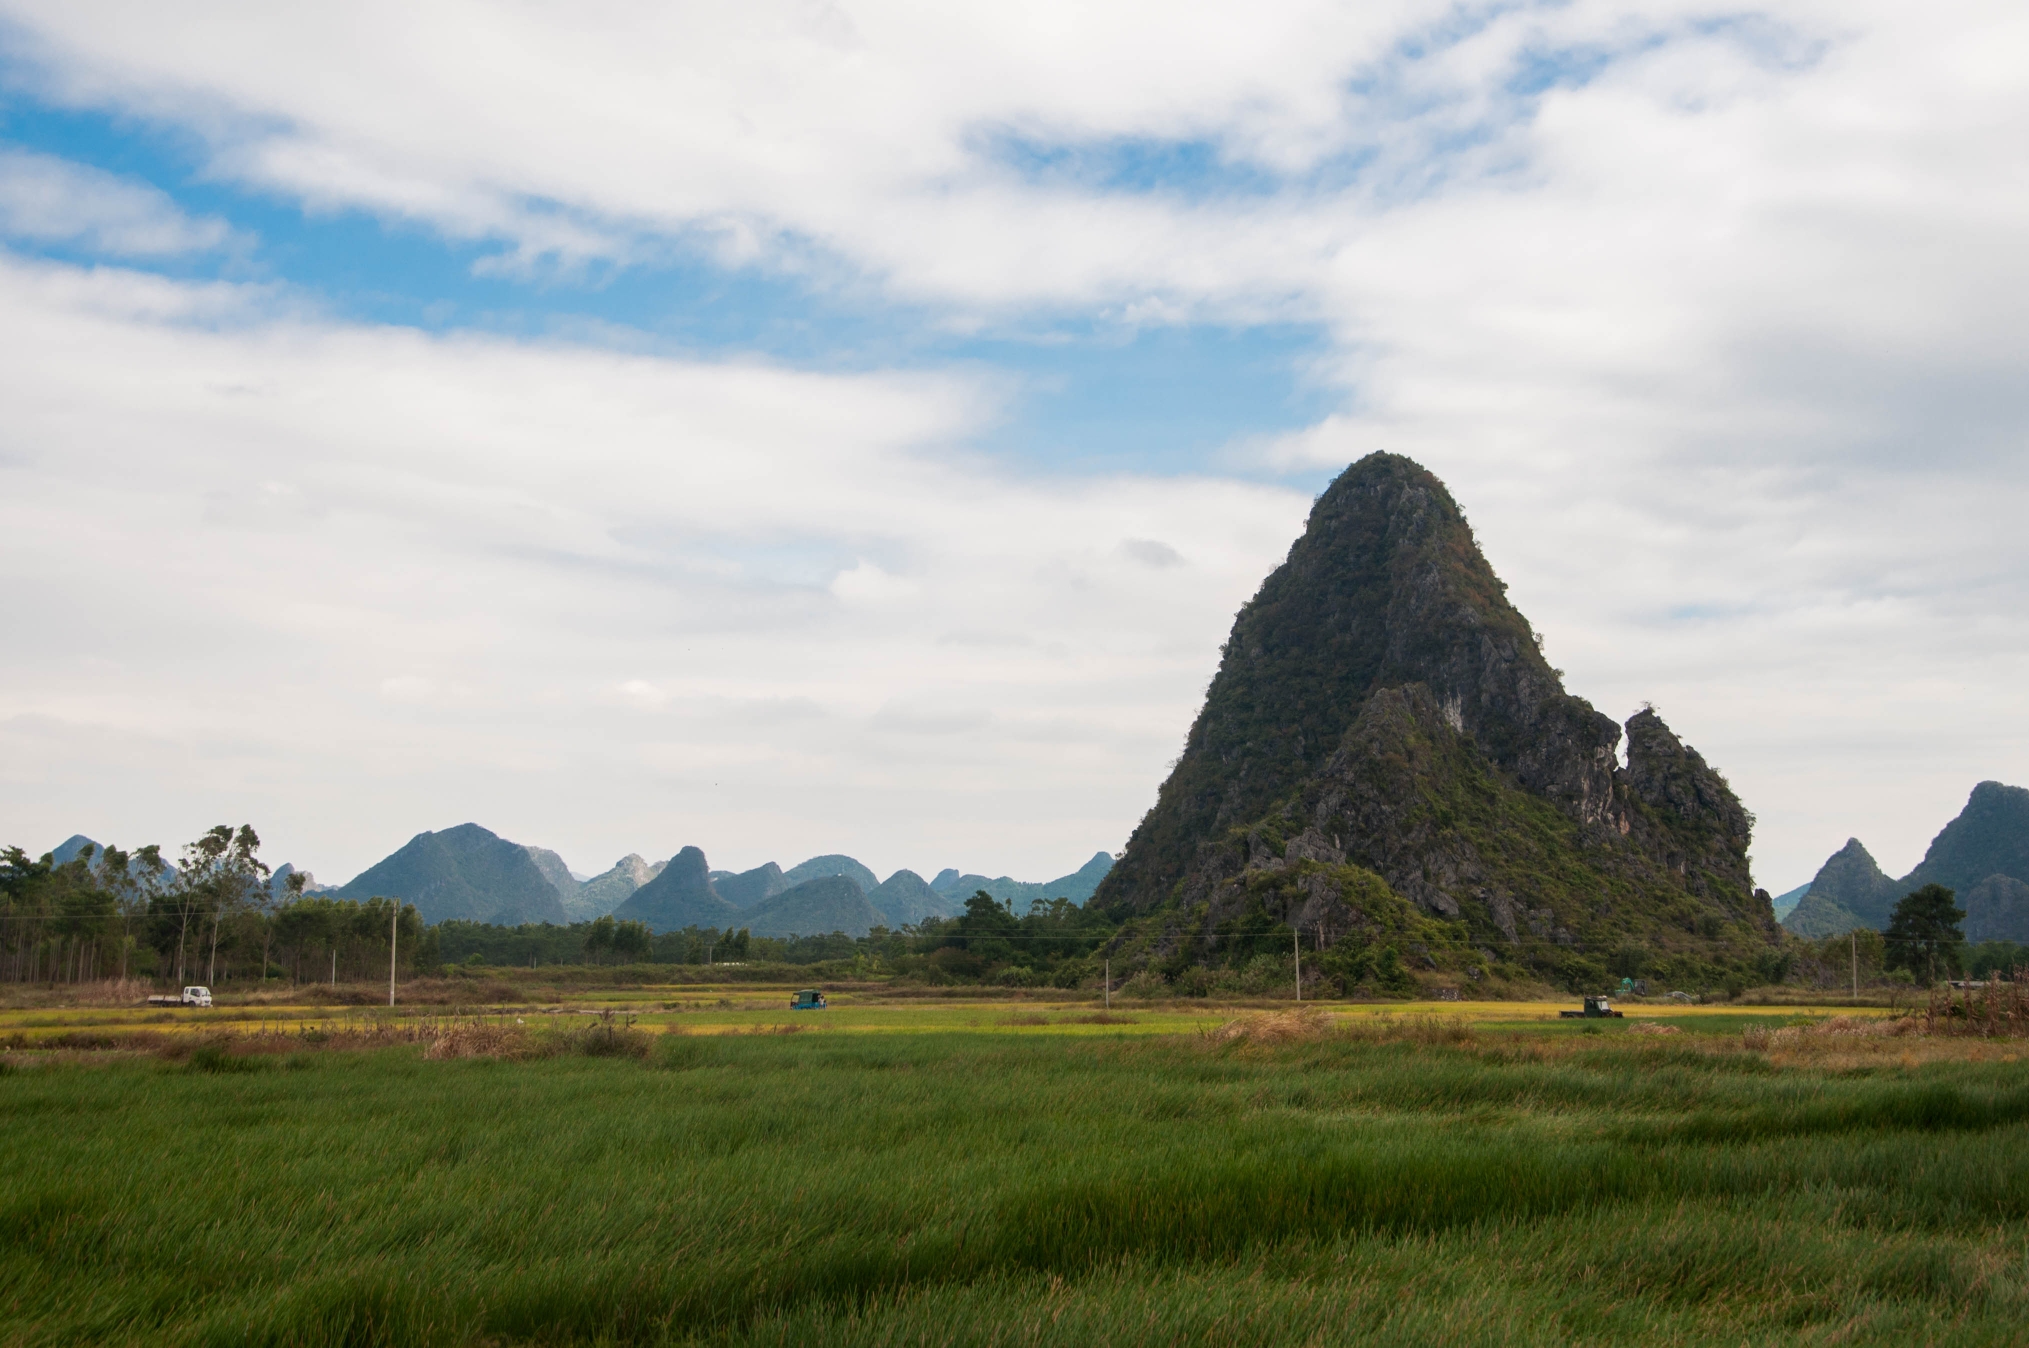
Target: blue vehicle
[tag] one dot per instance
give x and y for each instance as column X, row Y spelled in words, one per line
column 810, row 999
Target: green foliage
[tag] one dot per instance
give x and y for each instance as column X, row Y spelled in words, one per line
column 320, row 938
column 69, row 922
column 1923, row 933
column 622, row 942
column 1575, row 906
column 1358, row 968
column 1991, row 958
column 1050, row 943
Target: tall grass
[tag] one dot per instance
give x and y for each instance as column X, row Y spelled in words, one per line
column 933, row 1188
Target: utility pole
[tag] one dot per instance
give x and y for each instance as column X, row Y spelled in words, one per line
column 1109, row 985
column 1296, row 951
column 1854, row 937
column 393, row 928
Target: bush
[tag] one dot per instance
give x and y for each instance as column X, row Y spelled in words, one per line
column 1146, row 983
column 1367, row 968
column 212, row 1059
column 956, row 963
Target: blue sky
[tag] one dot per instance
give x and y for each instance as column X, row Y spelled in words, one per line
column 794, row 428
column 1083, row 392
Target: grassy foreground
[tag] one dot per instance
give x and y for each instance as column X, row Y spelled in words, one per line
column 1436, row 1183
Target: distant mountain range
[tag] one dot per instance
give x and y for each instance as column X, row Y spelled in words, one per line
column 1982, row 856
column 472, row 874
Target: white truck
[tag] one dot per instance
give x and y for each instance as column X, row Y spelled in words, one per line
column 190, row 997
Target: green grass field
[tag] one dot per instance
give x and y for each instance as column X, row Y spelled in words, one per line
column 965, row 1174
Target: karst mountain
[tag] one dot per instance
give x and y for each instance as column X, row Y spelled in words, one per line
column 1384, row 727
column 1982, row 856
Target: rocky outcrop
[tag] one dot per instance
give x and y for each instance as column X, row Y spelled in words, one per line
column 1381, row 706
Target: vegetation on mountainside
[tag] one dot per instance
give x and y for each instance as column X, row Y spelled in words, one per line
column 1438, row 1185
column 1586, row 915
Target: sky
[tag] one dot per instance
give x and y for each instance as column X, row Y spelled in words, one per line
column 800, row 427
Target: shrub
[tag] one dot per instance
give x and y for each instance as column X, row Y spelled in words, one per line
column 1146, row 983
column 213, row 1059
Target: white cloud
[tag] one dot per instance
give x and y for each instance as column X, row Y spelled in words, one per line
column 49, row 200
column 360, row 582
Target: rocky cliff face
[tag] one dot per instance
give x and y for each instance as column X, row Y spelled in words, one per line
column 1381, row 705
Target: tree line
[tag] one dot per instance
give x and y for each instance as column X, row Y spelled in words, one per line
column 212, row 916
column 1051, row 941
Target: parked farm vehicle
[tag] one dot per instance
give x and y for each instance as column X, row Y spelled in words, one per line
column 810, row 999
column 189, row 997
column 1596, row 1008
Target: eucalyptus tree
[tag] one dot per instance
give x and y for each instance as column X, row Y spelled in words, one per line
column 220, row 873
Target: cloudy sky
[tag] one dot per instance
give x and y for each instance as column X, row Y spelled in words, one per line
column 801, row 427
